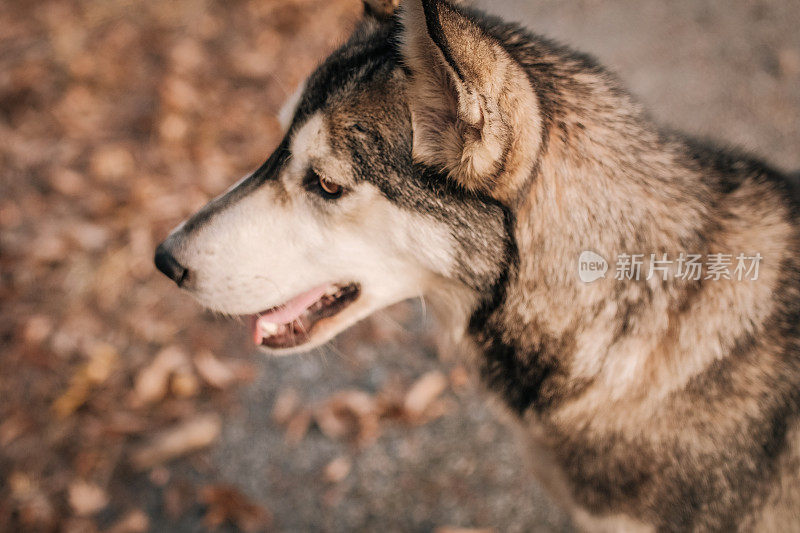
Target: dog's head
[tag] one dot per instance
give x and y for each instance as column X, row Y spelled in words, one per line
column 390, row 182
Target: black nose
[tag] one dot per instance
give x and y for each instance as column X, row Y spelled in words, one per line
column 167, row 264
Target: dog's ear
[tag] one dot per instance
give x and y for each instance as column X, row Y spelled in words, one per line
column 380, row 9
column 474, row 112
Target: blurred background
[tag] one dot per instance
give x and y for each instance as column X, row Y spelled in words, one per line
column 124, row 407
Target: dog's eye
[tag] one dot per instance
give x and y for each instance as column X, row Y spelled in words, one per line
column 334, row 189
column 325, row 187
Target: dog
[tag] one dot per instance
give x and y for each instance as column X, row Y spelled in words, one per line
column 444, row 153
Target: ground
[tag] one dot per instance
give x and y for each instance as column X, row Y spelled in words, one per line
column 125, row 407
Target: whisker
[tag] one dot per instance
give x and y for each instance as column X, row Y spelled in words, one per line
column 424, row 306
column 333, row 349
column 384, row 315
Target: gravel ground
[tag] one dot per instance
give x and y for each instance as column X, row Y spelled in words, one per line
column 725, row 69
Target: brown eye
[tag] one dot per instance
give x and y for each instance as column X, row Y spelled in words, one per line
column 322, row 186
column 331, row 188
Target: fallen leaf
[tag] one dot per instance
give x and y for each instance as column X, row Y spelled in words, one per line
column 67, row 182
column 86, row 498
column 297, row 427
column 286, row 405
column 213, row 371
column 133, row 522
column 437, row 409
column 227, row 504
column 178, row 498
column 153, row 380
column 21, row 485
column 12, row 428
column 78, row 524
column 182, row 439
column 111, row 163
column 184, row 383
column 33, row 506
column 422, row 394
column 102, row 360
column 159, row 476
column 125, row 423
column 349, row 414
column 37, row 329
column 337, row 470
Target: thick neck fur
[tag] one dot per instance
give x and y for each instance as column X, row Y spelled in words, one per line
column 606, row 181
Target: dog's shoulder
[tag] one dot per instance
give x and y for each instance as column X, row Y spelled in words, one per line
column 726, row 169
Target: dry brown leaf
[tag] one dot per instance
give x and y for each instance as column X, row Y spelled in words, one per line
column 86, row 498
column 184, row 383
column 213, row 371
column 78, row 524
column 179, row 95
column 286, row 405
column 178, row 498
column 12, row 428
column 226, row 503
column 173, row 128
column 390, row 399
column 153, row 380
column 358, row 402
column 423, row 393
column 182, row 439
column 350, row 414
column 111, row 163
column 67, row 181
column 335, row 418
column 37, row 329
column 134, row 522
column 297, row 427
column 37, row 513
column 334, row 424
column 125, row 423
column 369, row 431
column 49, row 247
column 437, row 409
column 338, row 469
column 102, row 360
column 187, row 55
column 21, row 484
column 159, row 476
column 33, row 506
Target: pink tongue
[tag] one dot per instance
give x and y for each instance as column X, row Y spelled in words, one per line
column 291, row 310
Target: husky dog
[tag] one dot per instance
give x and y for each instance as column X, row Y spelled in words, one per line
column 445, row 153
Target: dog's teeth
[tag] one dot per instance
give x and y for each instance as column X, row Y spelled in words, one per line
column 268, row 329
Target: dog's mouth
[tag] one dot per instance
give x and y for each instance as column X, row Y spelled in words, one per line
column 291, row 324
